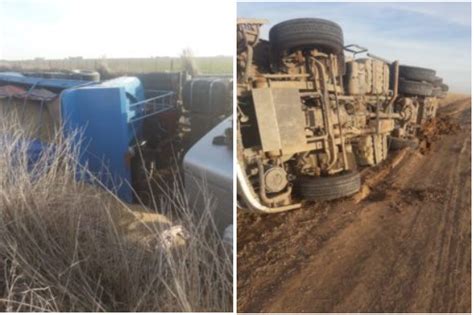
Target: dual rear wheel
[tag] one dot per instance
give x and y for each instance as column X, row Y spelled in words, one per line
column 420, row 82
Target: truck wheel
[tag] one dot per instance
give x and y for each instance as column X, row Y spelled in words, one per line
column 401, row 143
column 437, row 82
column 85, row 75
column 307, row 33
column 444, row 87
column 417, row 73
column 329, row 188
column 415, row 88
column 437, row 92
column 88, row 75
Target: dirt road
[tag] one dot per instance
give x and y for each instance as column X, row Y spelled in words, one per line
column 404, row 248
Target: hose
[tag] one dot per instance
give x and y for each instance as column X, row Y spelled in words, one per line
column 328, row 121
column 341, row 136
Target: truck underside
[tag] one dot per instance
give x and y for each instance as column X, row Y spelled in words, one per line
column 310, row 116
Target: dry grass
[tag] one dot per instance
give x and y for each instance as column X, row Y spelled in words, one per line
column 61, row 248
column 453, row 97
column 188, row 62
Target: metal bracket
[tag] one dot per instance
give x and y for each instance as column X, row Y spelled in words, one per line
column 380, row 58
column 355, row 49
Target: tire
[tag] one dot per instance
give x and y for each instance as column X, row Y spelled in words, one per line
column 444, row 87
column 307, row 33
column 85, row 75
column 329, row 188
column 437, row 92
column 400, row 143
column 415, row 88
column 437, row 82
column 417, row 73
column 90, row 75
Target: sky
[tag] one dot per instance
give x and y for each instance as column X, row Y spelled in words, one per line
column 130, row 28
column 432, row 35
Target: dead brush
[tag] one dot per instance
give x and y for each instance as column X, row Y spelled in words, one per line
column 188, row 62
column 63, row 249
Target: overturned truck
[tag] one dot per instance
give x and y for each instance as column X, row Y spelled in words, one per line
column 131, row 134
column 310, row 115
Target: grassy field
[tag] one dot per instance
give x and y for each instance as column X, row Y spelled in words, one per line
column 205, row 65
column 453, row 97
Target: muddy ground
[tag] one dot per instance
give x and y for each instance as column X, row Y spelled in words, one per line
column 406, row 247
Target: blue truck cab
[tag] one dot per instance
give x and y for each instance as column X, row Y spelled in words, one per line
column 104, row 119
column 101, row 119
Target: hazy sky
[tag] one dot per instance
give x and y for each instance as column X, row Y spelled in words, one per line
column 433, row 35
column 130, row 28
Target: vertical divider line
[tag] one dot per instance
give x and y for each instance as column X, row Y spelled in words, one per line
column 234, row 158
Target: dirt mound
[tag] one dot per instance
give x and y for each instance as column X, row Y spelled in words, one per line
column 436, row 127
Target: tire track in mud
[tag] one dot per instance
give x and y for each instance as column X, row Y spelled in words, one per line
column 449, row 293
column 406, row 248
column 419, row 298
column 450, row 257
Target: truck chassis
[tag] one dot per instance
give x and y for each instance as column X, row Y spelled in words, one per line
column 309, row 117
